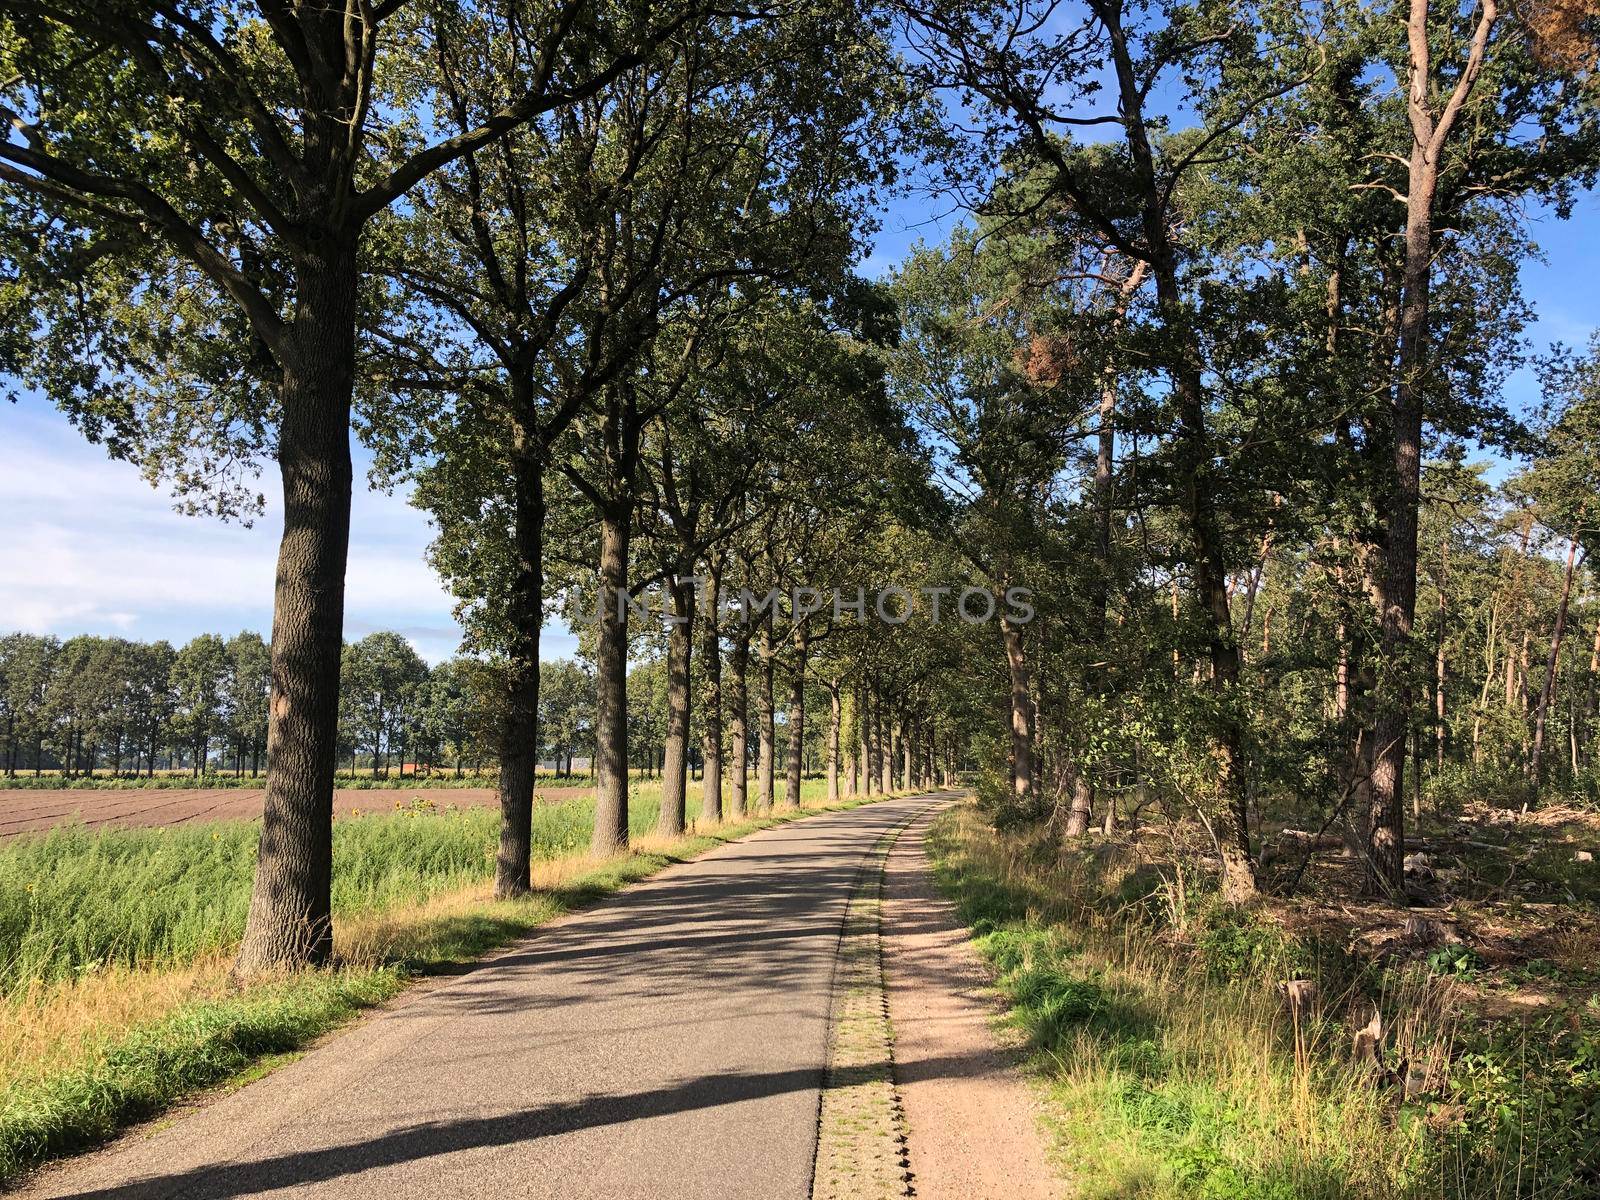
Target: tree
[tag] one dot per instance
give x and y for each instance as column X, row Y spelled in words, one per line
column 1564, row 482
column 27, row 662
column 382, row 682
column 566, row 711
column 254, row 148
column 249, row 687
column 202, row 709
column 153, row 698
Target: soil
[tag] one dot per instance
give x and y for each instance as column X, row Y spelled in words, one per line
column 25, row 810
column 971, row 1117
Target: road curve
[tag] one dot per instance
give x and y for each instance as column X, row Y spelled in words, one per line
column 666, row 1043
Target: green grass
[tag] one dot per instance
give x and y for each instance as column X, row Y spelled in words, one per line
column 1154, row 1017
column 1167, row 1077
column 77, row 908
column 192, row 1048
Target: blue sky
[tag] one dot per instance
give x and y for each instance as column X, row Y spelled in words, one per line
column 86, row 546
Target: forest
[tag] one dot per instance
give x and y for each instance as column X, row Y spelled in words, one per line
column 1221, row 362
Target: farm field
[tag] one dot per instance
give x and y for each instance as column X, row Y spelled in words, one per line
column 25, row 810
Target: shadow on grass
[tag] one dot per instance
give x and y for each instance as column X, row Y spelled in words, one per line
column 202, row 1045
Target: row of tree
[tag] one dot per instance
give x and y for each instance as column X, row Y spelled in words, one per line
column 94, row 701
column 582, row 277
column 122, row 708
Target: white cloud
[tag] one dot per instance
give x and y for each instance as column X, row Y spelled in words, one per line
column 86, row 546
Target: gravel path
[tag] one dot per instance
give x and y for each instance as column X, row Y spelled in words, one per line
column 667, row 1043
column 969, row 1113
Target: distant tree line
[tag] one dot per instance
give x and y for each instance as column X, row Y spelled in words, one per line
column 110, row 705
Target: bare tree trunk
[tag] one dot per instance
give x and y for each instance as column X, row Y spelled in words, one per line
column 675, row 759
column 1592, row 696
column 519, row 727
column 1489, row 643
column 869, row 742
column 797, row 721
column 1439, row 681
column 767, row 730
column 885, row 749
column 835, row 718
column 289, row 921
column 853, row 752
column 1021, row 711
column 738, row 671
column 1398, row 580
column 611, row 683
column 1082, row 809
column 1551, row 662
column 711, row 698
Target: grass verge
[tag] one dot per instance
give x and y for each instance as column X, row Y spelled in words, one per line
column 1172, row 1066
column 117, row 1001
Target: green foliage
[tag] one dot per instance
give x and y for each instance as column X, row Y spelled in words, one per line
column 1455, row 959
column 1528, row 1098
column 1240, row 944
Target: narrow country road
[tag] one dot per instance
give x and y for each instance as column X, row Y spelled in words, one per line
column 667, row 1043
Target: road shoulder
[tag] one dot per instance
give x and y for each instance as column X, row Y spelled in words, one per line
column 970, row 1113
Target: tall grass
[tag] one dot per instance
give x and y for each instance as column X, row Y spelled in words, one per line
column 74, row 901
column 1167, row 1078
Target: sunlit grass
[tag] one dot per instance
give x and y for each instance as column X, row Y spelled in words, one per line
column 116, row 944
column 1164, row 1080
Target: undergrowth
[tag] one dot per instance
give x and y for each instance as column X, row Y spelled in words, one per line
column 1176, row 1068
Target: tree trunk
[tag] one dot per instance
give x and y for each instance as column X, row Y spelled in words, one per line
column 738, row 674
column 1591, row 696
column 869, row 742
column 519, row 727
column 1211, row 589
column 1021, row 711
column 881, row 727
column 711, row 700
column 853, row 750
column 1439, row 680
column 675, row 760
column 1536, row 764
column 835, row 719
column 768, row 734
column 797, row 722
column 1398, row 580
column 290, row 918
column 611, row 661
column 1082, row 806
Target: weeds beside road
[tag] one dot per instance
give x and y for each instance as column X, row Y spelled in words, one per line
column 1175, row 1067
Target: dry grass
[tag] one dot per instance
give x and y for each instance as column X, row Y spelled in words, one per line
column 50, row 1028
column 1167, row 1078
column 84, row 1051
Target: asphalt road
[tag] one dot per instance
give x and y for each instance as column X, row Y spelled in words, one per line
column 667, row 1043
